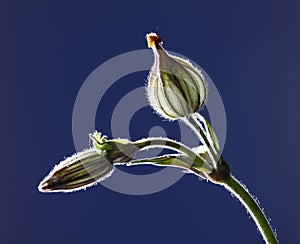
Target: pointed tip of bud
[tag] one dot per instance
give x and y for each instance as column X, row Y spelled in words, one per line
column 43, row 187
column 53, row 184
column 153, row 40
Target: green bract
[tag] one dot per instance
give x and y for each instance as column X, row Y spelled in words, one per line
column 175, row 87
column 117, row 150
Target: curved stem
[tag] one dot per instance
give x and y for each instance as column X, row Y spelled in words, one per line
column 173, row 145
column 171, row 160
column 238, row 190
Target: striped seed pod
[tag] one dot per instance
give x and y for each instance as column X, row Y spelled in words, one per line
column 175, row 87
column 77, row 172
column 90, row 166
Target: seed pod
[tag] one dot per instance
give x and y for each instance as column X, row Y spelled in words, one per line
column 175, row 87
column 77, row 172
column 86, row 168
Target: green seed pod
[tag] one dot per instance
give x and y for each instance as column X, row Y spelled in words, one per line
column 77, row 172
column 175, row 87
column 86, row 168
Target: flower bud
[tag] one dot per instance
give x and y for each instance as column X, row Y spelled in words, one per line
column 175, row 87
column 77, row 172
column 90, row 166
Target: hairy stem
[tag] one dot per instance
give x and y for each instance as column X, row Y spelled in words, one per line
column 239, row 191
column 199, row 118
column 193, row 124
column 176, row 146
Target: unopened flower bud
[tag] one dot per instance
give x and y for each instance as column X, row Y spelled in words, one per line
column 175, row 87
column 90, row 166
column 77, row 172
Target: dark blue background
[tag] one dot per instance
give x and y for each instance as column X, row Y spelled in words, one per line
column 251, row 51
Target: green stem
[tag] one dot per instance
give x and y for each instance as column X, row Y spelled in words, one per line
column 190, row 121
column 173, row 145
column 238, row 190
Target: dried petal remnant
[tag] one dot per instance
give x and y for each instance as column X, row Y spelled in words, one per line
column 153, row 40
